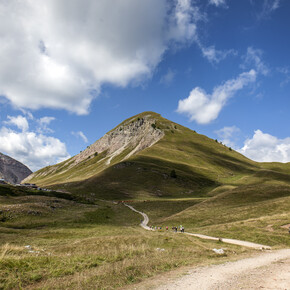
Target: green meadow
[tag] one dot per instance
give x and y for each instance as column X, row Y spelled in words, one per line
column 81, row 236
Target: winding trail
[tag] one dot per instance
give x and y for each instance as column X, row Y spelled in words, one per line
column 144, row 225
column 268, row 270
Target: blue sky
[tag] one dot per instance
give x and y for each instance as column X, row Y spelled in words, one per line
column 69, row 74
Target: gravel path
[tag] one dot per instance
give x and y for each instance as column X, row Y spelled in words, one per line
column 270, row 270
column 145, row 222
column 232, row 241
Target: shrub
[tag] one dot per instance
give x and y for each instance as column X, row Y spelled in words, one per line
column 153, row 126
column 173, row 174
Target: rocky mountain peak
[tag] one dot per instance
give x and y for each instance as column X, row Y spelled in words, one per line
column 133, row 135
column 12, row 170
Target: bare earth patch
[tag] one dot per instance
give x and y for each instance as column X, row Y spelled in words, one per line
column 286, row 226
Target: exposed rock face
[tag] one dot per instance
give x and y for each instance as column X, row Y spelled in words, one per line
column 12, row 170
column 134, row 135
column 124, row 141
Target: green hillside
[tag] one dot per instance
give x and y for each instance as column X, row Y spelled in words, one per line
column 200, row 164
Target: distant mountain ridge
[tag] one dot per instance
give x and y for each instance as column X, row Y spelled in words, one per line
column 12, row 170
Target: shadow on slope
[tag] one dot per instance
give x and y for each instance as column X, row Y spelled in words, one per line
column 142, row 177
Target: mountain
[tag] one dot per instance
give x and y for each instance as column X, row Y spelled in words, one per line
column 12, row 170
column 148, row 156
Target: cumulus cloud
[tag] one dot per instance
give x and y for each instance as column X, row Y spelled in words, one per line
column 214, row 55
column 264, row 147
column 81, row 135
column 254, row 57
column 204, row 108
column 217, row 2
column 228, row 135
column 57, row 54
column 31, row 148
column 20, row 122
column 183, row 23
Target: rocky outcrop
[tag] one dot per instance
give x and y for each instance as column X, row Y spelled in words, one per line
column 131, row 137
column 12, row 170
column 127, row 139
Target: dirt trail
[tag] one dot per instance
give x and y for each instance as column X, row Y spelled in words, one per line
column 269, row 270
column 145, row 222
column 232, row 241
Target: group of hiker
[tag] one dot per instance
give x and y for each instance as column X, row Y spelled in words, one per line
column 181, row 228
column 175, row 229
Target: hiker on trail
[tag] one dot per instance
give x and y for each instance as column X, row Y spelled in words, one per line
column 166, row 228
column 182, row 230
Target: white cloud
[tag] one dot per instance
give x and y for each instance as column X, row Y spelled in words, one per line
column 228, row 135
column 32, row 149
column 20, row 122
column 81, row 135
column 57, row 54
column 214, row 55
column 204, row 108
column 167, row 78
column 266, row 148
column 183, row 23
column 44, row 123
column 217, row 2
column 254, row 57
column 46, row 120
column 268, row 7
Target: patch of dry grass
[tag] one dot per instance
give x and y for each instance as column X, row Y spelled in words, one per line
column 101, row 262
column 90, row 246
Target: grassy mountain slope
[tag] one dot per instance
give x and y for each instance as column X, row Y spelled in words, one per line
column 257, row 213
column 200, row 164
